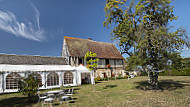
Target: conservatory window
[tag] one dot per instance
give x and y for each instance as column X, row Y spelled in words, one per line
column 12, row 81
column 68, row 77
column 37, row 77
column 52, row 79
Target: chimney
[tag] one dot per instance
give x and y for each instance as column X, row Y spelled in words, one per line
column 89, row 38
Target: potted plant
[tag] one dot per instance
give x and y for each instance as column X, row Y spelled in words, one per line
column 108, row 66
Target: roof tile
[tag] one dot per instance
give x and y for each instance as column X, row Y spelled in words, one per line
column 79, row 47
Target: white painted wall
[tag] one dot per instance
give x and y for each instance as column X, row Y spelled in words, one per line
column 101, row 63
column 111, row 61
column 65, row 52
column 119, row 63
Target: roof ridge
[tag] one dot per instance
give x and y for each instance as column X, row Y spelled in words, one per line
column 87, row 40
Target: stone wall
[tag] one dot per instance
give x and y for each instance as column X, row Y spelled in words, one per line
column 107, row 72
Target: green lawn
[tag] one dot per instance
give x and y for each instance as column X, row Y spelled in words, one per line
column 173, row 91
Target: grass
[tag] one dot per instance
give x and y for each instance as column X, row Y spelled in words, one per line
column 173, row 91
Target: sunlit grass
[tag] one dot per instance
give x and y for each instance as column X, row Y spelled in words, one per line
column 173, row 91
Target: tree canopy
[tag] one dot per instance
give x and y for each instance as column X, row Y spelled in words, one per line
column 143, row 30
column 143, row 26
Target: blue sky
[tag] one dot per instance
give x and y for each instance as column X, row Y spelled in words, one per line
column 37, row 27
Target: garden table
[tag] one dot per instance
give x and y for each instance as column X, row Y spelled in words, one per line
column 55, row 93
column 48, row 100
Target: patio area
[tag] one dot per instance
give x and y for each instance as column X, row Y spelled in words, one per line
column 63, row 96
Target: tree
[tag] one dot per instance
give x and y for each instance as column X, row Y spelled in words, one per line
column 29, row 86
column 91, row 62
column 176, row 62
column 142, row 29
column 185, row 65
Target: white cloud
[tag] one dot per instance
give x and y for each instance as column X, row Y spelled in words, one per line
column 9, row 23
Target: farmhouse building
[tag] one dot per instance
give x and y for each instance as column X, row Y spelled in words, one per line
column 111, row 62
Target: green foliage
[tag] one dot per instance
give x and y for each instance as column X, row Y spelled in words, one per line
column 134, row 61
column 120, row 77
column 186, row 62
column 144, row 74
column 105, row 79
column 175, row 72
column 176, row 60
column 126, row 77
column 143, row 32
column 29, row 86
column 112, row 78
column 91, row 60
column 98, row 78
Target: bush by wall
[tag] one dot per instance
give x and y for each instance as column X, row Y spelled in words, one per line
column 174, row 72
column 126, row 76
column 98, row 78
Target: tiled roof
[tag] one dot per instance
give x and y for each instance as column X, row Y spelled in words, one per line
column 79, row 47
column 30, row 60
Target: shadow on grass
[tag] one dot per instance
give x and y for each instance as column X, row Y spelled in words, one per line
column 9, row 93
column 70, row 100
column 109, row 86
column 162, row 85
column 97, row 82
column 73, row 100
column 18, row 102
column 77, row 88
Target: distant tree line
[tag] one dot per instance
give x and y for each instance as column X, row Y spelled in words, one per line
column 179, row 67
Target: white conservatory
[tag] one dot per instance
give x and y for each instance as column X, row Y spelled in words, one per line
column 49, row 76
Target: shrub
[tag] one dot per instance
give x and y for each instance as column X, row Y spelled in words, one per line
column 112, row 78
column 126, row 76
column 98, row 79
column 144, row 74
column 185, row 72
column 105, row 79
column 119, row 77
column 29, row 86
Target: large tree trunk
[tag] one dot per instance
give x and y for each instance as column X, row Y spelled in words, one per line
column 153, row 54
column 153, row 79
